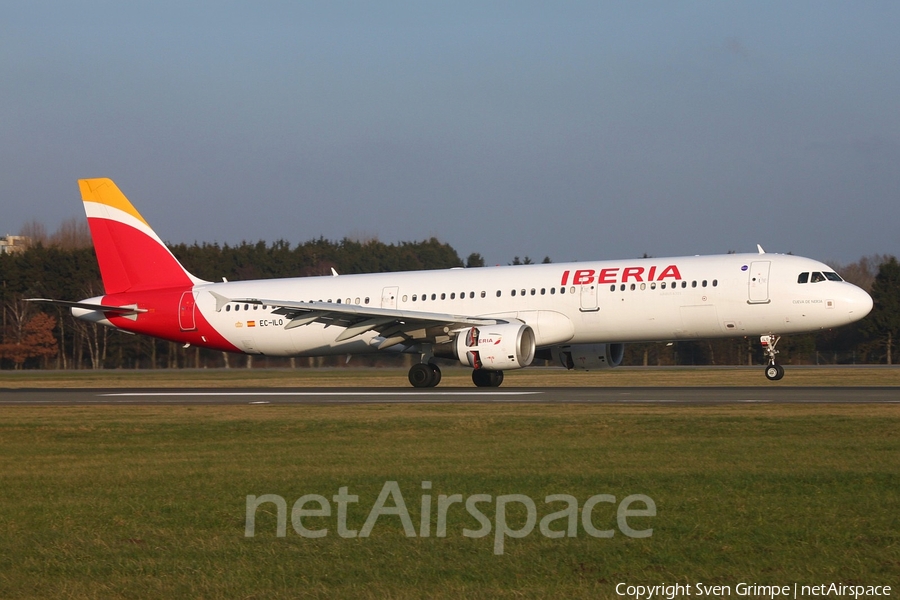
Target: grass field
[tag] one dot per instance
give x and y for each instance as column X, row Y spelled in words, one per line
column 453, row 377
column 150, row 502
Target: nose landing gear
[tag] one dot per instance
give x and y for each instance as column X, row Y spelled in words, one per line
column 774, row 371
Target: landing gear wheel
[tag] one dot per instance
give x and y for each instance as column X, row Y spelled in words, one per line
column 421, row 376
column 482, row 378
column 435, row 375
column 774, row 372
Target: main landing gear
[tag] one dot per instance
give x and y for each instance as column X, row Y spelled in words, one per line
column 423, row 375
column 482, row 378
column 774, row 372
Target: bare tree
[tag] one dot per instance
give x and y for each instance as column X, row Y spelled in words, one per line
column 35, row 231
column 73, row 233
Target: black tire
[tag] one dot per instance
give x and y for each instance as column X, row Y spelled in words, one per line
column 421, row 375
column 774, row 372
column 496, row 378
column 435, row 375
column 482, row 378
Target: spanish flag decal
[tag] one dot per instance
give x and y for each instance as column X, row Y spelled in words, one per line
column 251, row 323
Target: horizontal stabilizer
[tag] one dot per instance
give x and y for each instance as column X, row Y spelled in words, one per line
column 122, row 310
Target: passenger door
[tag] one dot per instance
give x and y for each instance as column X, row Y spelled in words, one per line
column 758, row 282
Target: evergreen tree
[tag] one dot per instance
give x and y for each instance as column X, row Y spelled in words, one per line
column 883, row 324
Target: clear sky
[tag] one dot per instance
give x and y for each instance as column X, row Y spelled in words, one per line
column 578, row 130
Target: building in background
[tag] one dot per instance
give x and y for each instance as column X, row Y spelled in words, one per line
column 11, row 244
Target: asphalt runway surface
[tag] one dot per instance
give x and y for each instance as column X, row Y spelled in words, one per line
column 620, row 395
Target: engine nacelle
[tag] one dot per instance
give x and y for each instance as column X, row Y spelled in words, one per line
column 588, row 357
column 496, row 347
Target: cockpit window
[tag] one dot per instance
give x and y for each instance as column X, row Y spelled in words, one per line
column 817, row 277
column 804, row 278
column 832, row 276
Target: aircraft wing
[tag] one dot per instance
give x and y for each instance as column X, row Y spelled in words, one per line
column 395, row 326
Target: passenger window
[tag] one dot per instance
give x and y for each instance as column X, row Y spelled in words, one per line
column 498, row 293
column 804, row 278
column 653, row 286
column 643, row 286
column 562, row 290
column 572, row 289
column 434, row 296
column 704, row 283
column 693, row 284
column 552, row 291
column 367, row 300
column 227, row 308
column 523, row 292
column 684, row 284
column 513, row 293
column 622, row 289
column 612, row 288
column 414, row 297
column 663, row 285
column 453, row 295
column 533, row 291
column 715, row 282
column 543, row 291
column 632, row 287
column 404, row 299
column 443, row 296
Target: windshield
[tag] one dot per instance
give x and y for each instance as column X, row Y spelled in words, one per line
column 817, row 276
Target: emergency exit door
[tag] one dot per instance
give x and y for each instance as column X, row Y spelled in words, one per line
column 186, row 309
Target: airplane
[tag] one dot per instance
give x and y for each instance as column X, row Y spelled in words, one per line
column 492, row 319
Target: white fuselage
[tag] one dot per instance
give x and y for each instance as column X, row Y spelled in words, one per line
column 576, row 303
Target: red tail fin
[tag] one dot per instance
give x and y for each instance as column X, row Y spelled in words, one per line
column 130, row 254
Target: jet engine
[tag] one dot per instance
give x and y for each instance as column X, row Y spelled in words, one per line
column 588, row 357
column 507, row 345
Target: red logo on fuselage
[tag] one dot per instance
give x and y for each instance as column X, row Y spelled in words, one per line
column 621, row 274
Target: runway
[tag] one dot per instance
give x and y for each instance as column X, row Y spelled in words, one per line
column 616, row 395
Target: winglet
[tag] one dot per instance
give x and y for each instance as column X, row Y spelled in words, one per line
column 761, row 251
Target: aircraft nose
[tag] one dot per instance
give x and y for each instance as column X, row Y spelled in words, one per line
column 860, row 304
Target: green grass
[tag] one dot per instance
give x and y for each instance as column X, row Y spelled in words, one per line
column 149, row 502
column 453, row 377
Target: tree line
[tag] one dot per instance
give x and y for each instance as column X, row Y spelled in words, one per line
column 42, row 336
